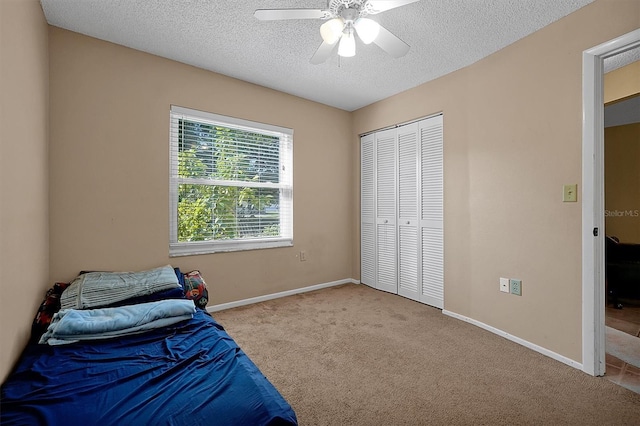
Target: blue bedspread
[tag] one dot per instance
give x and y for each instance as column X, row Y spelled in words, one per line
column 191, row 373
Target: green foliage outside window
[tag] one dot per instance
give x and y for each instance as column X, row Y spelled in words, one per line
column 214, row 212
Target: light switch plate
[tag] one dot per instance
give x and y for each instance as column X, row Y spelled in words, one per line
column 570, row 193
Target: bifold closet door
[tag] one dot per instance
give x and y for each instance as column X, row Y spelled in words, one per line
column 385, row 189
column 402, row 233
column 408, row 224
column 367, row 212
column 432, row 212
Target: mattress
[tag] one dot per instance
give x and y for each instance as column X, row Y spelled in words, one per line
column 190, row 373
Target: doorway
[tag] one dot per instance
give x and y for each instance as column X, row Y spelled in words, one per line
column 593, row 209
column 622, row 223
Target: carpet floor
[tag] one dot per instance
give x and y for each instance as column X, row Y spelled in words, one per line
column 352, row 355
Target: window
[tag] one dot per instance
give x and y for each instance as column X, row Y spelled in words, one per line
column 231, row 184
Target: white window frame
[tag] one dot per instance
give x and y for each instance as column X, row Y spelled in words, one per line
column 285, row 185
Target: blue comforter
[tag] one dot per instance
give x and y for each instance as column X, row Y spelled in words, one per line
column 191, row 373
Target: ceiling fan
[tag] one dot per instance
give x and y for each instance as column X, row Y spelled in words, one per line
column 344, row 19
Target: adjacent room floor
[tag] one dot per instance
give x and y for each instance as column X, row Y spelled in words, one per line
column 623, row 345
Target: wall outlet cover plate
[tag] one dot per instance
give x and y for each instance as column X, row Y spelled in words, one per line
column 504, row 285
column 515, row 287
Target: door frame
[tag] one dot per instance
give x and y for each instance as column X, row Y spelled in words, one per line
column 593, row 264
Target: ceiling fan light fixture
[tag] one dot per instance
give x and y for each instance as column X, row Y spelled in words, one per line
column 367, row 29
column 342, row 20
column 331, row 31
column 347, row 46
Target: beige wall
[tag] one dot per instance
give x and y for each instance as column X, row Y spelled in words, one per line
column 24, row 229
column 110, row 169
column 622, row 182
column 512, row 139
column 512, row 132
column 622, row 83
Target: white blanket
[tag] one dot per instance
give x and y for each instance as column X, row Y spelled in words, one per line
column 72, row 325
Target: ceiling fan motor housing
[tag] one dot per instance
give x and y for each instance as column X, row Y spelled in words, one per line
column 349, row 10
column 350, row 14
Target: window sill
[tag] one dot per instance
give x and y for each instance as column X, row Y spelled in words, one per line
column 209, row 247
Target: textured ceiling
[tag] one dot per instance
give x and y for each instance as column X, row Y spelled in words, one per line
column 223, row 36
column 621, row 59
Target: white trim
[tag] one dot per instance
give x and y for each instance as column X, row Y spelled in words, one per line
column 223, row 306
column 285, row 185
column 518, row 340
column 593, row 297
column 237, row 123
column 394, row 126
column 220, row 246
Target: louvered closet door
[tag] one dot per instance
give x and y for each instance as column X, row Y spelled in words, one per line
column 385, row 150
column 367, row 212
column 408, row 277
column 432, row 206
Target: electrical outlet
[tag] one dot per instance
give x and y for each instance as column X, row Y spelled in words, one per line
column 504, row 285
column 303, row 256
column 515, row 287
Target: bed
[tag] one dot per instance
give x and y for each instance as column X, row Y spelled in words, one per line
column 183, row 370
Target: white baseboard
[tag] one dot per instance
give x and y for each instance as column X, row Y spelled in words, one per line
column 266, row 297
column 527, row 344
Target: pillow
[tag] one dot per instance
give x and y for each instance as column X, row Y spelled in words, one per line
column 49, row 306
column 196, row 289
column 95, row 289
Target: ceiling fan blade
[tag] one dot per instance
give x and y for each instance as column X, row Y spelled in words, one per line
column 377, row 6
column 323, row 53
column 278, row 14
column 390, row 43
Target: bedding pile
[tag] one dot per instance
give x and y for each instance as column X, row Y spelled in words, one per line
column 94, row 289
column 135, row 348
column 73, row 325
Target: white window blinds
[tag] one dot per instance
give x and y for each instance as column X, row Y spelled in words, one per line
column 231, row 184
